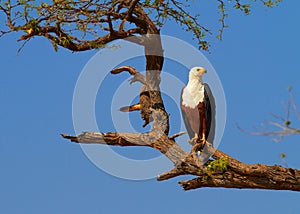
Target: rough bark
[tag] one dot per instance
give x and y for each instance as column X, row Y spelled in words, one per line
column 237, row 174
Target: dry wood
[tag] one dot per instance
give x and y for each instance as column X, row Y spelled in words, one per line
column 237, row 174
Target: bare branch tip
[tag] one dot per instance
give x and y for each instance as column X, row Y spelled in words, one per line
column 177, row 135
column 184, row 185
column 72, row 138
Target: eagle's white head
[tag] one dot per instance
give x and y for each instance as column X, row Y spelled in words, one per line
column 194, row 91
column 196, row 73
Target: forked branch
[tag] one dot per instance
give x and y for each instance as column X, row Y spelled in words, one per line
column 137, row 76
column 282, row 125
column 236, row 174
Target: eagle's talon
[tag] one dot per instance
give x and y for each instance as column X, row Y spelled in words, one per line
column 200, row 146
column 194, row 140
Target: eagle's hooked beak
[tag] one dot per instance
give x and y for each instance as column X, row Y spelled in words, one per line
column 202, row 71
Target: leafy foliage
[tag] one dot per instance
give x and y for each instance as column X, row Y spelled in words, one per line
column 218, row 166
column 83, row 24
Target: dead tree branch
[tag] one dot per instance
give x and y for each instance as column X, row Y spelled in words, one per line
column 137, row 76
column 283, row 124
column 237, row 174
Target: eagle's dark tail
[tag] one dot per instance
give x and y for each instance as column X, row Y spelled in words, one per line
column 134, row 107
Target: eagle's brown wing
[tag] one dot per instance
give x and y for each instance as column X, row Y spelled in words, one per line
column 210, row 113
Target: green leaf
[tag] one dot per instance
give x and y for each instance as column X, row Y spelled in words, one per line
column 287, row 123
column 55, row 46
column 147, row 2
column 282, row 155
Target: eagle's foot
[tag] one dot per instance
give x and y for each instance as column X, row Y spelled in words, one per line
column 194, row 140
column 200, row 146
column 201, row 143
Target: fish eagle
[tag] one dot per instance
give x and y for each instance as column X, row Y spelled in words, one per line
column 198, row 108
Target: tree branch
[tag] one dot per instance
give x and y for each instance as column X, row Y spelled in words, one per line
column 287, row 179
column 236, row 175
column 284, row 125
column 137, row 76
column 166, row 146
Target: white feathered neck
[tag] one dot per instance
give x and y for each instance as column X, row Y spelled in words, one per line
column 193, row 93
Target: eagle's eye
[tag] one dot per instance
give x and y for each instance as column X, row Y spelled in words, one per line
column 198, row 69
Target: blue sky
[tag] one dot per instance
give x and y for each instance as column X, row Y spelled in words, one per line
column 42, row 173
